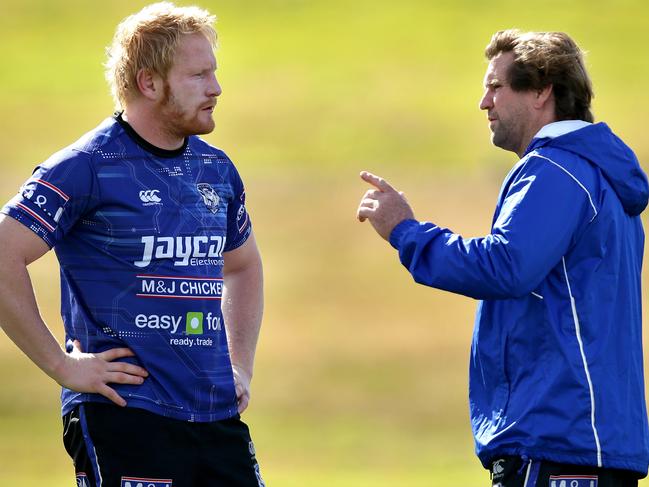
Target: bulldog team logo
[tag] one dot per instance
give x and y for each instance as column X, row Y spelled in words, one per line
column 210, row 197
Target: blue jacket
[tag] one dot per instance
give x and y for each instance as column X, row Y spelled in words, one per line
column 556, row 369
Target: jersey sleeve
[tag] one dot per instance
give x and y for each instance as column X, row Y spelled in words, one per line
column 55, row 197
column 239, row 226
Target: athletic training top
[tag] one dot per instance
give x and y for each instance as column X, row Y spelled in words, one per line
column 139, row 233
column 556, row 369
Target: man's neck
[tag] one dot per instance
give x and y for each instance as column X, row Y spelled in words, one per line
column 149, row 128
column 533, row 130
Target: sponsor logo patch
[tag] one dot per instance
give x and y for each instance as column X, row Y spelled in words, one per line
column 140, row 482
column 242, row 214
column 154, row 286
column 190, row 333
column 44, row 202
column 189, row 250
column 242, row 218
column 573, row 481
column 82, row 480
column 497, row 469
column 173, row 172
column 150, row 197
column 195, row 323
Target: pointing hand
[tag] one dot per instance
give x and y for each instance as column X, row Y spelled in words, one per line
column 384, row 206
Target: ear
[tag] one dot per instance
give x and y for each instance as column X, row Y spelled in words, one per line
column 543, row 96
column 149, row 84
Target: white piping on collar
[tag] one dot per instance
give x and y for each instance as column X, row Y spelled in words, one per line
column 556, row 129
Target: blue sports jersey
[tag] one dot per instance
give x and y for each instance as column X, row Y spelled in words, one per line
column 139, row 233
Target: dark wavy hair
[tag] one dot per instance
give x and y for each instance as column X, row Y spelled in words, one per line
column 547, row 58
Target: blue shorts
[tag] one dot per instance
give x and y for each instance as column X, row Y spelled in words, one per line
column 128, row 447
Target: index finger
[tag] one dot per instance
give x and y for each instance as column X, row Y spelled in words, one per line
column 376, row 181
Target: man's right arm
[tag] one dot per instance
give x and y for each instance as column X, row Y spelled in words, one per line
column 21, row 320
column 541, row 213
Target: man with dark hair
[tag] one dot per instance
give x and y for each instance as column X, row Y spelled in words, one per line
column 556, row 372
column 543, row 59
column 161, row 279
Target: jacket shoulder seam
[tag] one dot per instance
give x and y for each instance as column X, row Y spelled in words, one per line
column 574, row 178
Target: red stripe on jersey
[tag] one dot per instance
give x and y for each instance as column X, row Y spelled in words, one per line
column 35, row 215
column 53, row 188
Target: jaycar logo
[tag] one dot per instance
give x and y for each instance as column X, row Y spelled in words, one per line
column 194, row 250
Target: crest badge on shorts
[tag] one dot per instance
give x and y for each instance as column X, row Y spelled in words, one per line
column 210, row 196
column 573, row 480
column 82, row 480
column 140, row 482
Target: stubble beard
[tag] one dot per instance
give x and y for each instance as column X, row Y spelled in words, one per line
column 178, row 121
column 505, row 135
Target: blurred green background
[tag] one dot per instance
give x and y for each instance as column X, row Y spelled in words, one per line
column 361, row 375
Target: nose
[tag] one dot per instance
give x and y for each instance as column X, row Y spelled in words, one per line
column 214, row 87
column 486, row 102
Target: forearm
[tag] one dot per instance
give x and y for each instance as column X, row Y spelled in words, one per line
column 481, row 268
column 22, row 322
column 242, row 308
column 20, row 318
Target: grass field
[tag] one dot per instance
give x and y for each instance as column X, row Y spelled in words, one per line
column 361, row 375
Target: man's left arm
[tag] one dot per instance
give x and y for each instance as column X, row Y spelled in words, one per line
column 242, row 306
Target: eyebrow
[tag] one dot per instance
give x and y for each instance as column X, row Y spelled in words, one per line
column 493, row 82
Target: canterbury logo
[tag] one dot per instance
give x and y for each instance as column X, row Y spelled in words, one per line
column 498, row 467
column 150, row 196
